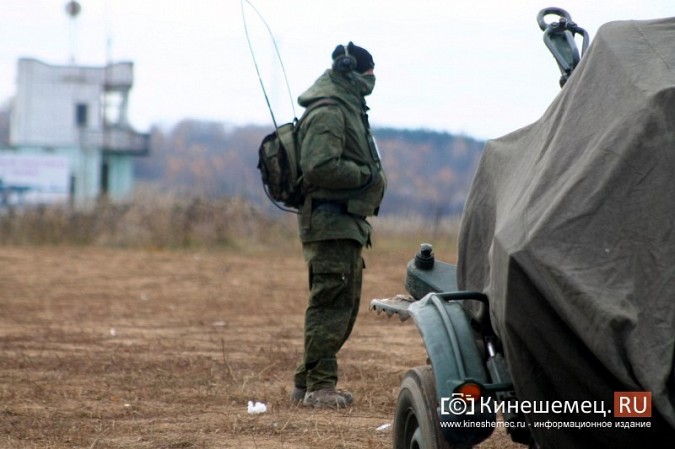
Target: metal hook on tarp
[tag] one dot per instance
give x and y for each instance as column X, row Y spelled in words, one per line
column 559, row 37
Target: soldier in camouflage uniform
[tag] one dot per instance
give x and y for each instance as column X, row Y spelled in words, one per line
column 344, row 184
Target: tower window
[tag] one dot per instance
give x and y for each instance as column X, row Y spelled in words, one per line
column 81, row 115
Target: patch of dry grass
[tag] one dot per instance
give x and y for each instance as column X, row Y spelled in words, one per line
column 147, row 221
column 153, row 220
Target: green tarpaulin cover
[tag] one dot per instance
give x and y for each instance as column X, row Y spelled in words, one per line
column 569, row 228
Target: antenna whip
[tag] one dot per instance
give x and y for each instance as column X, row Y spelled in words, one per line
column 255, row 63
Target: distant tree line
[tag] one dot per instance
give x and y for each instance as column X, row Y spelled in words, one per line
column 429, row 173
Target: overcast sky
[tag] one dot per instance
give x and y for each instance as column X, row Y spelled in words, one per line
column 475, row 67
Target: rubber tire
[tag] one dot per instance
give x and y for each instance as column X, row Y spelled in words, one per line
column 416, row 423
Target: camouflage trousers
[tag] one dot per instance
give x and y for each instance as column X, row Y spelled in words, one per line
column 335, row 273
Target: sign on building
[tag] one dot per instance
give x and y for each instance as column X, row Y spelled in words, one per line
column 33, row 179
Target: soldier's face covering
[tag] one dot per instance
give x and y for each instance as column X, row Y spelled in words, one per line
column 365, row 83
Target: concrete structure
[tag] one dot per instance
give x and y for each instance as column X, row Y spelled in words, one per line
column 77, row 114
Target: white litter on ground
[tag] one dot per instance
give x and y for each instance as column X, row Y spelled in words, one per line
column 383, row 427
column 258, row 407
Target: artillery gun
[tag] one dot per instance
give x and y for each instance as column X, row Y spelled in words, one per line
column 550, row 301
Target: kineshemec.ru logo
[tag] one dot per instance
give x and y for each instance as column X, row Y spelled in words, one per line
column 627, row 404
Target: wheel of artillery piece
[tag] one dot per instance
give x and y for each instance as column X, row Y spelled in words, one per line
column 416, row 423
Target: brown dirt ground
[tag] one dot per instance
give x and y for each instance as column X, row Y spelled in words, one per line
column 143, row 348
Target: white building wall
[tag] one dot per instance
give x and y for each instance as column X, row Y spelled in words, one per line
column 86, row 176
column 46, row 99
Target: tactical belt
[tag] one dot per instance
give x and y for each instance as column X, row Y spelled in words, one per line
column 335, row 207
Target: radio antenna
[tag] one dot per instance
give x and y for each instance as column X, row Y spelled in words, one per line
column 255, row 63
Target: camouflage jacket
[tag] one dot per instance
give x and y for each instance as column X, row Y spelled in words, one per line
column 339, row 163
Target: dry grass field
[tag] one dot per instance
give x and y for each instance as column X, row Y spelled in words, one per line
column 149, row 347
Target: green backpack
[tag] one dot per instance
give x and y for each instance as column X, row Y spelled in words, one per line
column 279, row 163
